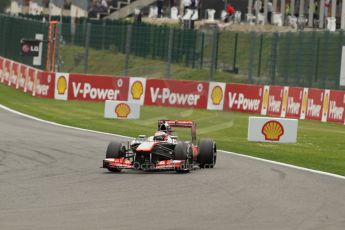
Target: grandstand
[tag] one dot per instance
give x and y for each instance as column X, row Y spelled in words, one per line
column 328, row 14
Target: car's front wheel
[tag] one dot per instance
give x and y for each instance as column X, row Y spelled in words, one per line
column 184, row 152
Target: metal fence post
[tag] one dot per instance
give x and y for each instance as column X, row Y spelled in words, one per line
column 57, row 37
column 252, row 45
column 340, row 50
column 202, row 43
column 274, row 53
column 168, row 61
column 235, row 54
column 5, row 33
column 298, row 57
column 128, row 49
column 103, row 35
column 317, row 57
column 260, row 54
column 325, row 60
column 214, row 54
column 87, row 46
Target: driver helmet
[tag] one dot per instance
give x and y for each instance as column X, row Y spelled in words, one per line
column 165, row 127
column 160, row 136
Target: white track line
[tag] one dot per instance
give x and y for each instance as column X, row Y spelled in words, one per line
column 232, row 153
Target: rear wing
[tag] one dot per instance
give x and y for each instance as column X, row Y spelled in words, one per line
column 180, row 124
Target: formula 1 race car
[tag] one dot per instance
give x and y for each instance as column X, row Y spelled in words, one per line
column 163, row 151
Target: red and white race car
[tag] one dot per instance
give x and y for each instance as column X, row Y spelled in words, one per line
column 163, row 151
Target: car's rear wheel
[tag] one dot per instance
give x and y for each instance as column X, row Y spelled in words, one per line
column 184, row 152
column 207, row 156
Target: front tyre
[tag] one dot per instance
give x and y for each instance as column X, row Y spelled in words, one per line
column 207, row 156
column 115, row 150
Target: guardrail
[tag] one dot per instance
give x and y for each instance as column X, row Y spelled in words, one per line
column 277, row 101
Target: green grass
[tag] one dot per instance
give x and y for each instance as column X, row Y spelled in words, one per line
column 320, row 145
column 112, row 63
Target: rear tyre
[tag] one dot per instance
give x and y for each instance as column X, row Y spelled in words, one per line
column 183, row 151
column 207, row 156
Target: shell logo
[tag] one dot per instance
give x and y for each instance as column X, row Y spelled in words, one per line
column 137, row 90
column 304, row 102
column 272, row 130
column 122, row 110
column 61, row 85
column 217, row 95
column 285, row 99
column 326, row 104
column 265, row 98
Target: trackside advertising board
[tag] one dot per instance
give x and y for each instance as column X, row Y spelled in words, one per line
column 136, row 92
column 314, row 105
column 173, row 93
column 216, row 93
column 97, row 88
column 243, row 98
column 121, row 110
column 294, row 103
column 336, row 107
column 274, row 130
column 274, row 101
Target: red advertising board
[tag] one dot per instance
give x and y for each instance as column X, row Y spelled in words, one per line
column 97, row 88
column 336, row 107
column 275, row 101
column 2, row 60
column 44, row 84
column 21, row 75
column 175, row 93
column 294, row 102
column 314, row 104
column 243, row 98
column 13, row 74
column 6, row 71
column 31, row 74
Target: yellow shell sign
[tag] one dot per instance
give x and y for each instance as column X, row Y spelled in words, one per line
column 137, row 90
column 272, row 130
column 61, row 85
column 217, row 95
column 122, row 110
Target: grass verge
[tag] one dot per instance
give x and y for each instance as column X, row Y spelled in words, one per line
column 320, row 145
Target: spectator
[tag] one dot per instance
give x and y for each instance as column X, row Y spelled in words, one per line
column 104, row 4
column 269, row 11
column 186, row 5
column 160, row 8
column 257, row 6
column 194, row 4
column 67, row 4
column 173, row 3
column 230, row 10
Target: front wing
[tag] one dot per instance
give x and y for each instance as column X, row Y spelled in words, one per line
column 123, row 163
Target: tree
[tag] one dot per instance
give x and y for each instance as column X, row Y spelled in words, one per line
column 4, row 4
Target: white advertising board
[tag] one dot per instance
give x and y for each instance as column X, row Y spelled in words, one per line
column 274, row 130
column 216, row 95
column 342, row 68
column 121, row 110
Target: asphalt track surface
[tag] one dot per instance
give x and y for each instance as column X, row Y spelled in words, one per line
column 50, row 179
